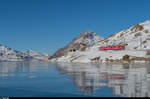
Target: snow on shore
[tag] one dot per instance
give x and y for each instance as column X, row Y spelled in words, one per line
column 85, row 57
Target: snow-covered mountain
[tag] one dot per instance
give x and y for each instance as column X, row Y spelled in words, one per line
column 84, row 40
column 7, row 54
column 136, row 37
column 32, row 55
column 136, row 40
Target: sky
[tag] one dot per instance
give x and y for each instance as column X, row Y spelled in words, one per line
column 47, row 25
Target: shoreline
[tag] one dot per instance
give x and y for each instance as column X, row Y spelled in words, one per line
column 133, row 56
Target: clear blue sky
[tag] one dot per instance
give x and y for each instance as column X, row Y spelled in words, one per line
column 46, row 25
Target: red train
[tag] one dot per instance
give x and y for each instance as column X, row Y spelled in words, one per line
column 117, row 47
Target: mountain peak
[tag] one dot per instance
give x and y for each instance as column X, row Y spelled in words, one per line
column 85, row 39
column 87, row 31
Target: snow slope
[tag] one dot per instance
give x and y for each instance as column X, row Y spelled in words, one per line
column 136, row 37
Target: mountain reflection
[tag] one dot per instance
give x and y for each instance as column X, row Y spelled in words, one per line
column 12, row 68
column 128, row 80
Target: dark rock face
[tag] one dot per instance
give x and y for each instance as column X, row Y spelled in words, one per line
column 84, row 40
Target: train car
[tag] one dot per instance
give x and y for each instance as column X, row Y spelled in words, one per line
column 117, row 47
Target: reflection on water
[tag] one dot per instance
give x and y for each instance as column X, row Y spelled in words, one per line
column 127, row 80
column 21, row 66
column 13, row 68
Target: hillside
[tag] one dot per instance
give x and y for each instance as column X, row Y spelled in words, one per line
column 136, row 37
column 136, row 40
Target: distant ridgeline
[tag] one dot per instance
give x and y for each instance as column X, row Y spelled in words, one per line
column 7, row 54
